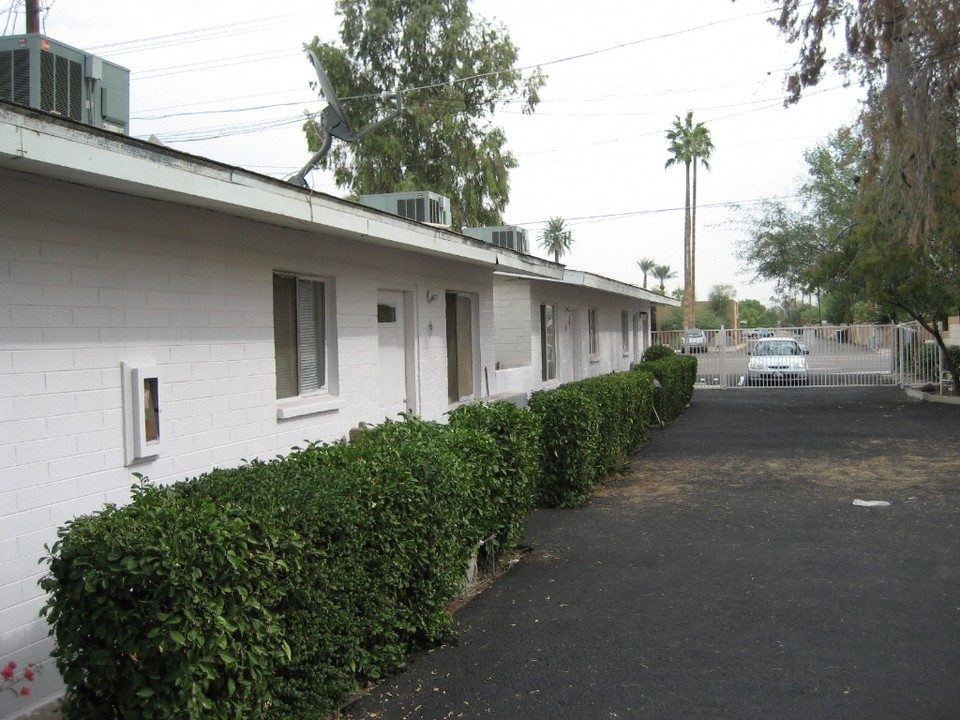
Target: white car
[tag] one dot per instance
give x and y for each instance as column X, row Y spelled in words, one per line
column 777, row 360
column 693, row 341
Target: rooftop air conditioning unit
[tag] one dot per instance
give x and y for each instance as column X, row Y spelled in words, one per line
column 508, row 236
column 420, row 205
column 46, row 75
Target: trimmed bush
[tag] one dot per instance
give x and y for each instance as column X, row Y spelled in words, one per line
column 658, row 352
column 388, row 524
column 166, row 608
column 514, row 436
column 274, row 589
column 676, row 375
column 571, row 445
column 625, row 402
column 590, row 428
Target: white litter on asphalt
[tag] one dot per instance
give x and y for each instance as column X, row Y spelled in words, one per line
column 871, row 503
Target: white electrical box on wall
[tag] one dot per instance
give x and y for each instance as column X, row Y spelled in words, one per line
column 142, row 405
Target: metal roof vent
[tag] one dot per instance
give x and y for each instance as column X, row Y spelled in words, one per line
column 508, row 236
column 420, row 205
column 46, row 75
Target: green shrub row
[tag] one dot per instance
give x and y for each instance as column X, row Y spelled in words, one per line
column 676, row 375
column 169, row 607
column 273, row 589
column 590, row 427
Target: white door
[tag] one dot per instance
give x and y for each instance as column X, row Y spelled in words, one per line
column 570, row 352
column 393, row 353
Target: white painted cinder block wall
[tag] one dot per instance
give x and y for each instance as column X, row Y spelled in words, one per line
column 572, row 304
column 514, row 323
column 518, row 302
column 90, row 279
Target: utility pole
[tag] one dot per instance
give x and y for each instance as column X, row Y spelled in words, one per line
column 33, row 17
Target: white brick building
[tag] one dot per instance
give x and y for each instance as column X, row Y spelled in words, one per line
column 163, row 314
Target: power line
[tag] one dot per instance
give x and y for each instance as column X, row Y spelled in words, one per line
column 185, row 37
column 656, row 211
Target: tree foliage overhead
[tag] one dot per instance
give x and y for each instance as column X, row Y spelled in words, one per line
column 453, row 68
column 907, row 56
column 786, row 244
column 904, row 249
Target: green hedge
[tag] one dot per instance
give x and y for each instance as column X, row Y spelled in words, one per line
column 658, row 351
column 272, row 590
column 514, row 439
column 168, row 607
column 590, row 427
column 571, row 445
column 676, row 375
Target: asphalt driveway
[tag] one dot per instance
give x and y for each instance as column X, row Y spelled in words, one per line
column 729, row 574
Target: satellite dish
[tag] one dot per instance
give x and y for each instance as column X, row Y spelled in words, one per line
column 330, row 95
column 333, row 120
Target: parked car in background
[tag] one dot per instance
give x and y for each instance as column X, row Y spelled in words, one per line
column 693, row 341
column 777, row 360
column 754, row 333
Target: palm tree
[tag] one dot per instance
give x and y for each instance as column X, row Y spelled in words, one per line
column 691, row 145
column 663, row 273
column 646, row 265
column 555, row 238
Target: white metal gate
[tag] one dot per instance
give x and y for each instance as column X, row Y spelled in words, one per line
column 835, row 355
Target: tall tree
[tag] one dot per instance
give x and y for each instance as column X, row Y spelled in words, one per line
column 722, row 300
column 556, row 239
column 453, row 69
column 646, row 266
column 905, row 55
column 702, row 147
column 689, row 145
column 786, row 245
column 664, row 273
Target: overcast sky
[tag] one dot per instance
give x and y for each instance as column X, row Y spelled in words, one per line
column 229, row 81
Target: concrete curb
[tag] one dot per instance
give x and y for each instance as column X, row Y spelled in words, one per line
column 922, row 396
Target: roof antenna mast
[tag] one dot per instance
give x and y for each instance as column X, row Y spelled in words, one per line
column 33, row 17
column 333, row 121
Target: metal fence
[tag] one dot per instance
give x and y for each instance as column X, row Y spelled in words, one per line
column 835, row 355
column 919, row 358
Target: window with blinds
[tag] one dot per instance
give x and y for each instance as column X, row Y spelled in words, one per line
column 625, row 332
column 593, row 331
column 548, row 342
column 299, row 335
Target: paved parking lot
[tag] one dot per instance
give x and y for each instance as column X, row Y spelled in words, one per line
column 729, row 574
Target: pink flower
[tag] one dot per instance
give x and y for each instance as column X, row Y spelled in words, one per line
column 13, row 681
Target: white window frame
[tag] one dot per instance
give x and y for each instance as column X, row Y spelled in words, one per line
column 593, row 332
column 548, row 344
column 625, row 333
column 314, row 347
